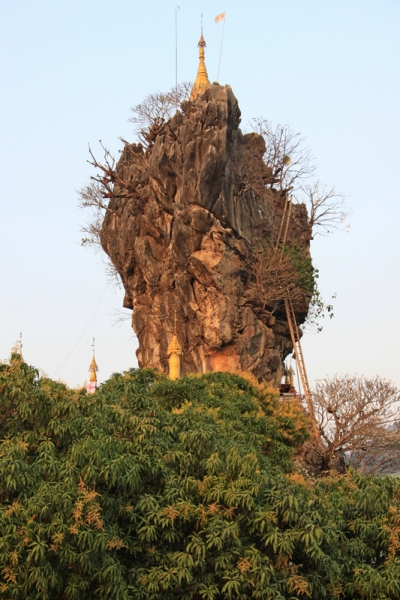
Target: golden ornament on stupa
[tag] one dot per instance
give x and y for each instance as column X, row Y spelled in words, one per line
column 93, row 369
column 175, row 352
column 201, row 82
column 291, row 376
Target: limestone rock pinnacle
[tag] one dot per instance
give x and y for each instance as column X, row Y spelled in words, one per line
column 180, row 242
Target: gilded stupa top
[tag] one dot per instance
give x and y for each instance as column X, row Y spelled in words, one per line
column 201, row 82
column 92, row 385
column 93, row 367
column 174, row 346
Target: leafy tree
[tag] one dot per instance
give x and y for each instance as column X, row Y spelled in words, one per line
column 279, row 273
column 155, row 489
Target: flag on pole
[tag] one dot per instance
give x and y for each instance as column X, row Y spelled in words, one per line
column 220, row 17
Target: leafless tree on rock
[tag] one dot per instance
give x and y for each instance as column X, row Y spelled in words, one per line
column 286, row 155
column 155, row 110
column 326, row 208
column 272, row 279
column 96, row 196
column 292, row 166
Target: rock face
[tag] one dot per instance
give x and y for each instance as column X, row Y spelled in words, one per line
column 180, row 240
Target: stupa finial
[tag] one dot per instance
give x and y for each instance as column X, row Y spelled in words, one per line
column 201, row 82
column 93, row 369
column 175, row 352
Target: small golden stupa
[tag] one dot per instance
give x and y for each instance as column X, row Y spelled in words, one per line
column 201, row 82
column 174, row 352
column 16, row 351
column 93, row 369
column 289, row 376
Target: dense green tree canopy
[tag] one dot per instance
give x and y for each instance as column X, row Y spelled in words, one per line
column 153, row 489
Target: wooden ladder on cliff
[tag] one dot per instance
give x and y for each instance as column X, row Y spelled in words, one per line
column 293, row 327
column 301, row 365
column 284, row 226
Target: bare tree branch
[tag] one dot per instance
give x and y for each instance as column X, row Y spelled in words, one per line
column 291, row 165
column 92, row 196
column 273, row 278
column 326, row 208
column 156, row 109
column 356, row 417
column 290, row 161
column 110, row 181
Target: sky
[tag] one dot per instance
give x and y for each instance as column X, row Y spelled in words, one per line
column 70, row 72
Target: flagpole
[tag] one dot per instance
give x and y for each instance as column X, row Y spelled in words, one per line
column 220, row 52
column 176, row 45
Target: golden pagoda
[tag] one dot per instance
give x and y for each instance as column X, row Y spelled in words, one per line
column 93, row 369
column 175, row 352
column 201, row 82
column 16, row 350
column 289, row 376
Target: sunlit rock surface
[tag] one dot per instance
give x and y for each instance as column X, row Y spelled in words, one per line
column 180, row 241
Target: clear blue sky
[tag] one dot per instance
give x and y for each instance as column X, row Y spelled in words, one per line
column 69, row 73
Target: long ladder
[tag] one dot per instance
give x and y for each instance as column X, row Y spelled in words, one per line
column 298, row 352
column 293, row 328
column 287, row 209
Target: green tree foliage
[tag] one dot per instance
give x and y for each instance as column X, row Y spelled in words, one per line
column 155, row 489
column 286, row 272
column 307, row 280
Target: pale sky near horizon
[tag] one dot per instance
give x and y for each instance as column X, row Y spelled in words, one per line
column 69, row 73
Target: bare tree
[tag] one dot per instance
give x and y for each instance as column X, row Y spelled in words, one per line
column 92, row 197
column 273, row 277
column 292, row 165
column 156, row 109
column 149, row 116
column 357, row 419
column 247, row 177
column 286, row 155
column 326, row 208
column 109, row 183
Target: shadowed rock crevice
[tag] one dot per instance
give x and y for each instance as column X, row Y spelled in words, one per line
column 181, row 241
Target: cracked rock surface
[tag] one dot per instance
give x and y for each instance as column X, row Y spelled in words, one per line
column 181, row 239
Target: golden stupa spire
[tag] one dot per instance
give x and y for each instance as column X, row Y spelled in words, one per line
column 91, row 387
column 175, row 352
column 16, row 351
column 291, row 376
column 20, row 346
column 288, row 372
column 201, row 82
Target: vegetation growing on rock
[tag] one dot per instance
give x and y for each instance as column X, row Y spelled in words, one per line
column 181, row 219
column 156, row 489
